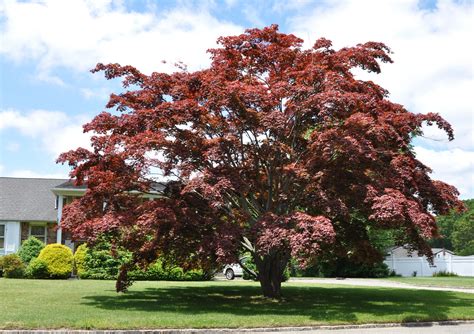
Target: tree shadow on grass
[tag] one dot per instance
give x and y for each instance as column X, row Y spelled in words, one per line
column 320, row 304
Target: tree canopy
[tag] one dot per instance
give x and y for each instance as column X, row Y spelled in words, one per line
column 273, row 149
column 457, row 230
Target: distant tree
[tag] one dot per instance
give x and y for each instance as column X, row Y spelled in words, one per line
column 274, row 149
column 463, row 231
column 456, row 230
column 445, row 227
column 463, row 237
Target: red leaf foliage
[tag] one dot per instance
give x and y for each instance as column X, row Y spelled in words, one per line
column 272, row 142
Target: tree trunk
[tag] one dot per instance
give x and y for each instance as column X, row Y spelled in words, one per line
column 270, row 274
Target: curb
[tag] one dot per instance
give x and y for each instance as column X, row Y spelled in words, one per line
column 237, row 330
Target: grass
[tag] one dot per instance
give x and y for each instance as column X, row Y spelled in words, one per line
column 26, row 304
column 452, row 282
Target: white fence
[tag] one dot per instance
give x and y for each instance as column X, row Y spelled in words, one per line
column 406, row 266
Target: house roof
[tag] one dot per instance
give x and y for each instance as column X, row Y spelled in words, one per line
column 438, row 250
column 28, row 199
column 434, row 250
column 70, row 186
column 33, row 199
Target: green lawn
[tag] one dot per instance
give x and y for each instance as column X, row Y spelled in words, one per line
column 452, row 282
column 94, row 304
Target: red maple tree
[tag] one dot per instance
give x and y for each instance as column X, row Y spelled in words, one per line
column 274, row 150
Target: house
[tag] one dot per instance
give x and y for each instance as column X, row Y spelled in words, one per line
column 33, row 207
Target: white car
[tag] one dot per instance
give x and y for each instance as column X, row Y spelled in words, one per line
column 232, row 270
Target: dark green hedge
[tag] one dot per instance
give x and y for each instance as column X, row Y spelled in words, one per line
column 100, row 264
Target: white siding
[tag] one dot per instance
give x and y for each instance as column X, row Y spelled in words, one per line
column 12, row 237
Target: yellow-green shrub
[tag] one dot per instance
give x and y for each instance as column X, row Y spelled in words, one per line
column 59, row 259
column 79, row 259
column 12, row 266
column 37, row 269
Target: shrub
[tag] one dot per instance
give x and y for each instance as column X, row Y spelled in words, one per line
column 344, row 267
column 79, row 259
column 444, row 274
column 99, row 263
column 30, row 249
column 157, row 272
column 380, row 270
column 393, row 273
column 12, row 266
column 37, row 268
column 249, row 264
column 59, row 260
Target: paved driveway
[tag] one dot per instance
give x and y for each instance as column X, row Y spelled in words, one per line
column 375, row 282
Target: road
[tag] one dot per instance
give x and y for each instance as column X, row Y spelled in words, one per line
column 433, row 329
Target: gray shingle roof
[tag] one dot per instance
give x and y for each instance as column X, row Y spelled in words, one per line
column 69, row 184
column 27, row 199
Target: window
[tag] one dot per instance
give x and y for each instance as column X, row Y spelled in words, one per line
column 38, row 231
column 2, row 236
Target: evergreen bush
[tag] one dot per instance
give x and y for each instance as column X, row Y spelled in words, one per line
column 343, row 267
column 79, row 259
column 30, row 249
column 59, row 260
column 99, row 263
column 158, row 272
column 12, row 266
column 37, row 268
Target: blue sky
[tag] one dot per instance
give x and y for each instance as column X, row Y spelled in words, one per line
column 48, row 47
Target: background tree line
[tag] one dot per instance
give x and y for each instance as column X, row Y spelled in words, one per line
column 457, row 231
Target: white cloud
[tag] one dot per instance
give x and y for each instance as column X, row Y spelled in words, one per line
column 78, row 34
column 32, row 124
column 54, row 130
column 455, row 167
